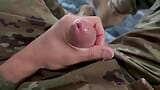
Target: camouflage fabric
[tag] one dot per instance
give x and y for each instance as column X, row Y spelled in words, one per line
column 107, row 75
column 6, row 85
column 21, row 23
column 55, row 8
column 135, row 65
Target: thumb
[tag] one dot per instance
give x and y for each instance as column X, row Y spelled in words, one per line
column 97, row 52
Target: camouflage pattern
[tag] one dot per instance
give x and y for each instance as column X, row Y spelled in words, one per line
column 21, row 23
column 134, row 67
column 107, row 75
column 6, row 85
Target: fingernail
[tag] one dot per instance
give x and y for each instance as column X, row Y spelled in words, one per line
column 108, row 54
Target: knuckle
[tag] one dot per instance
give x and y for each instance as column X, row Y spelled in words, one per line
column 92, row 52
column 66, row 16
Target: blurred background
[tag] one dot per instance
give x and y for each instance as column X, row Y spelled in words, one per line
column 127, row 25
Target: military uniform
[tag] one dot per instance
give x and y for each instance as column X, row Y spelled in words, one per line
column 135, row 65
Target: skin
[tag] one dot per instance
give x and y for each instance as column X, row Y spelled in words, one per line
column 82, row 34
column 53, row 51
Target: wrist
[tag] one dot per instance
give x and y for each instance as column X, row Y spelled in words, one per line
column 17, row 68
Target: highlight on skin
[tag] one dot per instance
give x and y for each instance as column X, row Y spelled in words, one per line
column 82, row 34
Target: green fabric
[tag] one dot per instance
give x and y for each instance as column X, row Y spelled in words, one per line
column 6, row 85
column 138, row 53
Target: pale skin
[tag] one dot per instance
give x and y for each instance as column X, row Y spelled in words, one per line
column 53, row 51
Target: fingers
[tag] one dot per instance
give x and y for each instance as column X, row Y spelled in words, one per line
column 82, row 34
column 97, row 52
column 96, row 21
column 100, row 37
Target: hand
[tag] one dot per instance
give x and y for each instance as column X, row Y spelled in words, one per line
column 56, row 52
column 53, row 51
